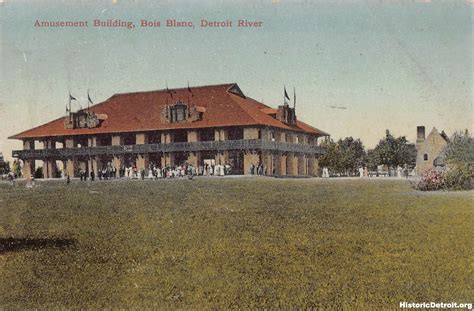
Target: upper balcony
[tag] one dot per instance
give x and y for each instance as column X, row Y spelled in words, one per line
column 242, row 144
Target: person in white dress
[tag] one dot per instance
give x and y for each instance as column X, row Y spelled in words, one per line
column 361, row 172
column 325, row 172
column 399, row 172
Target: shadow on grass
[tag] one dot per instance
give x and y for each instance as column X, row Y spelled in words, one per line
column 19, row 244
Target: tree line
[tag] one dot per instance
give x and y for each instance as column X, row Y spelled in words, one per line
column 347, row 155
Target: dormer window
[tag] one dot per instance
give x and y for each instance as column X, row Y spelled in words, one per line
column 182, row 112
column 178, row 113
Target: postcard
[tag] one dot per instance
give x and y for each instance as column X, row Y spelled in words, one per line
column 269, row 154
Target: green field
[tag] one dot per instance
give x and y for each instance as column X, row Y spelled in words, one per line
column 234, row 243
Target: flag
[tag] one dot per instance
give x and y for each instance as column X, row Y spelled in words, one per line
column 286, row 96
column 189, row 89
column 89, row 98
column 71, row 97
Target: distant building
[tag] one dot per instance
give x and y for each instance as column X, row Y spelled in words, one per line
column 193, row 125
column 430, row 149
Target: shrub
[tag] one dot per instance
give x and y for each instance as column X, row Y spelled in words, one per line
column 434, row 179
column 460, row 176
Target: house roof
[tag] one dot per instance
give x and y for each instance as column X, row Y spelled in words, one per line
column 224, row 105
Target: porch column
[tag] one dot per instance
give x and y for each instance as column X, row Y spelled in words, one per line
column 167, row 158
column 28, row 164
column 142, row 159
column 315, row 170
column 49, row 166
column 117, row 161
column 222, row 156
column 311, row 166
column 277, row 164
column 282, row 166
column 92, row 163
column 69, row 163
column 302, row 168
column 292, row 165
column 193, row 156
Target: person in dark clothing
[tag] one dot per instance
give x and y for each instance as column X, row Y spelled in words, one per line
column 92, row 176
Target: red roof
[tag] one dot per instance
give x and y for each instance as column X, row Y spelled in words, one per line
column 141, row 111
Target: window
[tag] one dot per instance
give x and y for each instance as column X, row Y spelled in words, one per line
column 235, row 133
column 425, row 157
column 154, row 138
column 207, row 135
column 180, row 136
column 178, row 113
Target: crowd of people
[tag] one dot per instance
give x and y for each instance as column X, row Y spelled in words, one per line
column 155, row 172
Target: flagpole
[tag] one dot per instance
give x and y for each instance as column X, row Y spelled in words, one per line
column 294, row 99
column 70, row 116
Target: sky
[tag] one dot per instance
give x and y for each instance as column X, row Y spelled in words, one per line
column 393, row 64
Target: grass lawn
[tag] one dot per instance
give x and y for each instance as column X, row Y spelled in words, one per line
column 234, row 243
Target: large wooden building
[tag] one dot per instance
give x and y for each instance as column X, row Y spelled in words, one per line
column 171, row 127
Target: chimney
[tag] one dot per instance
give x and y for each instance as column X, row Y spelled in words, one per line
column 420, row 134
column 286, row 114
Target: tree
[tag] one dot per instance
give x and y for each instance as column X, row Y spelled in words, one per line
column 460, row 148
column 331, row 158
column 372, row 159
column 352, row 154
column 459, row 154
column 4, row 167
column 394, row 152
column 343, row 157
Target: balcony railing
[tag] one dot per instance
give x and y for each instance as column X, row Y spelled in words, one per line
column 242, row 144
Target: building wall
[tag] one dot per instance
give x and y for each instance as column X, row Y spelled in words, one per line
column 250, row 133
column 431, row 147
